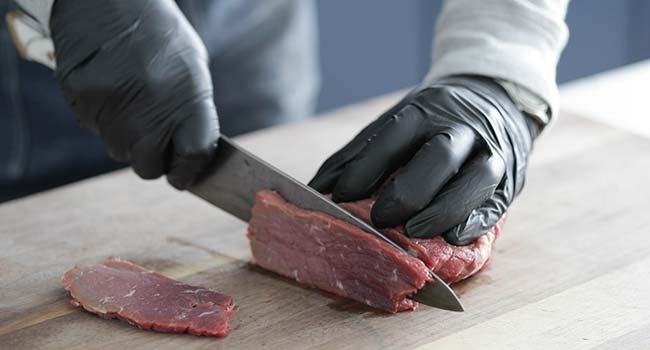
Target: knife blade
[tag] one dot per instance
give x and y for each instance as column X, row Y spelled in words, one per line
column 236, row 175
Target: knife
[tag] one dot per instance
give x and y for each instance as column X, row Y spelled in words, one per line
column 236, row 175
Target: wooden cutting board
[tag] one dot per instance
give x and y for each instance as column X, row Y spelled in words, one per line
column 570, row 270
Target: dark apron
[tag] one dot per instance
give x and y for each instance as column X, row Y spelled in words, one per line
column 41, row 144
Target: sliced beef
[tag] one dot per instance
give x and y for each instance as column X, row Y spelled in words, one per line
column 326, row 253
column 322, row 252
column 452, row 263
column 148, row 299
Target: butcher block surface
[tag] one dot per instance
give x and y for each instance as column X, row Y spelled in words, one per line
column 570, row 269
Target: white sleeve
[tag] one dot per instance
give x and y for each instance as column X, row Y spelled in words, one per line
column 40, row 10
column 519, row 41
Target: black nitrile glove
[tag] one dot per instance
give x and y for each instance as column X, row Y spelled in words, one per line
column 461, row 147
column 136, row 73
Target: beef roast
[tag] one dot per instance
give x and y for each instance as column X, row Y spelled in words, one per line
column 326, row 253
column 148, row 299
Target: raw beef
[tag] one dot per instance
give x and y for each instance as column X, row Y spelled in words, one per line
column 326, row 253
column 148, row 299
column 317, row 250
column 452, row 263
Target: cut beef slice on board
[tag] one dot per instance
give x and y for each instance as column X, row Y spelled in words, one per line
column 148, row 299
column 326, row 253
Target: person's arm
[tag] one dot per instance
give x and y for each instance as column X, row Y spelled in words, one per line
column 40, row 10
column 30, row 29
column 517, row 41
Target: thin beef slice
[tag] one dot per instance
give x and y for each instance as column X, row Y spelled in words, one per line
column 148, row 299
column 326, row 253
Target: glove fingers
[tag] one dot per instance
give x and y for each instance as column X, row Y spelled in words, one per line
column 85, row 92
column 473, row 186
column 148, row 158
column 389, row 149
column 479, row 221
column 331, row 170
column 185, row 170
column 417, row 183
column 195, row 144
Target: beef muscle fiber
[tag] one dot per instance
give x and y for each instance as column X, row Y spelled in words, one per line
column 326, row 253
column 148, row 299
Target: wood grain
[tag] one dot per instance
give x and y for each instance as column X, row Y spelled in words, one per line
column 567, row 272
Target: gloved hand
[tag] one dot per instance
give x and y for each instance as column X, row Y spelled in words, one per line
column 461, row 147
column 136, row 73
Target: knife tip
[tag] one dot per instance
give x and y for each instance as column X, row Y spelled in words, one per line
column 457, row 307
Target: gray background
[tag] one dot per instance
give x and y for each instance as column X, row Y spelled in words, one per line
column 370, row 47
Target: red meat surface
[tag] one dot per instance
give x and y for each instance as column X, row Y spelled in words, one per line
column 320, row 251
column 452, row 263
column 148, row 299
